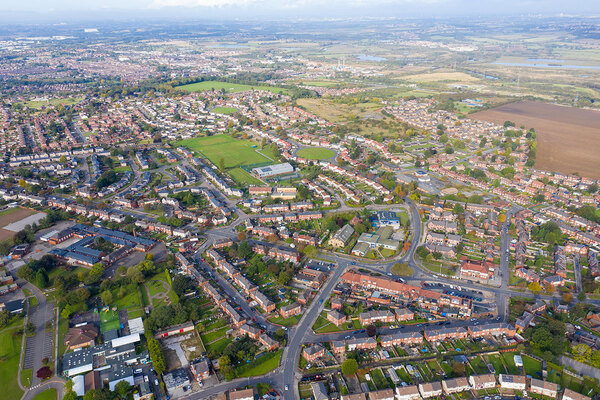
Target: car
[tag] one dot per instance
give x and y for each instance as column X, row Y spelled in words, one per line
column 287, row 387
column 145, row 378
column 353, row 263
column 156, row 382
column 138, row 371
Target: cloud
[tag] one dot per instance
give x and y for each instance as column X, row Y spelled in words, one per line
column 203, row 3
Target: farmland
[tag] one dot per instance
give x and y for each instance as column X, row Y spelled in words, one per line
column 315, row 153
column 228, row 87
column 567, row 137
column 10, row 216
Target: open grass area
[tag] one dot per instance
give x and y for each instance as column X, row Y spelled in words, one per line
column 234, row 152
column 315, row 153
column 532, row 367
column 10, row 352
column 402, row 269
column 228, row 87
column 291, row 321
column 214, row 335
column 131, row 300
column 266, row 363
column 243, row 178
column 109, row 320
column 37, row 104
column 48, row 394
column 224, row 110
column 510, row 363
column 218, row 346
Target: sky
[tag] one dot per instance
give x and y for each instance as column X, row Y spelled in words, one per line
column 287, row 9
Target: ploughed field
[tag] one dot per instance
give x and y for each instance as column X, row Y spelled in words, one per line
column 568, row 138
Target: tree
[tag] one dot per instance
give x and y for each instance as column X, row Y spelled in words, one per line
column 44, row 373
column 458, row 369
column 567, row 297
column 349, row 367
column 502, row 218
column 122, row 388
column 581, row 296
column 156, row 355
column 135, row 274
column 70, row 396
column 534, row 287
column 29, row 328
column 107, row 297
column 181, row 284
column 225, row 367
column 5, row 318
column 371, row 330
column 279, row 334
column 241, row 236
column 581, row 352
column 222, row 164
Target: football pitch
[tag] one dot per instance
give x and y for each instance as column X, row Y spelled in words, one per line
column 109, row 320
column 234, row 152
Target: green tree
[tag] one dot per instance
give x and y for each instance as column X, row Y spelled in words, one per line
column 581, row 352
column 349, row 367
column 156, row 355
column 225, row 367
column 107, row 297
column 122, row 388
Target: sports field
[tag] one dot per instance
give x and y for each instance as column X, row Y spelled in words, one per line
column 109, row 320
column 224, row 110
column 234, row 152
column 568, row 138
column 228, row 87
column 315, row 153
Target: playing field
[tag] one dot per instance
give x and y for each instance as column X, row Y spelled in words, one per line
column 315, row 153
column 228, row 87
column 234, row 152
column 224, row 110
column 568, row 138
column 109, row 320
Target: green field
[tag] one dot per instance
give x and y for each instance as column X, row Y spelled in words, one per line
column 109, row 320
column 52, row 102
column 315, row 153
column 48, row 394
column 234, row 152
column 228, row 87
column 224, row 110
column 10, row 351
column 266, row 363
column 243, row 178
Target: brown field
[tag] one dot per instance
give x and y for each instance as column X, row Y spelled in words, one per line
column 10, row 216
column 568, row 138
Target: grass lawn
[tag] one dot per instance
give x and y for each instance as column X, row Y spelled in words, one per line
column 122, row 169
column 402, row 269
column 109, row 320
column 243, row 178
column 218, row 346
column 532, row 367
column 229, row 87
column 224, row 110
column 130, row 300
column 63, row 327
column 233, row 151
column 266, row 363
column 315, row 153
column 495, row 360
column 214, row 335
column 48, row 394
column 26, row 375
column 10, row 352
column 478, row 365
column 135, row 313
column 291, row 321
column 510, row 363
column 41, row 103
